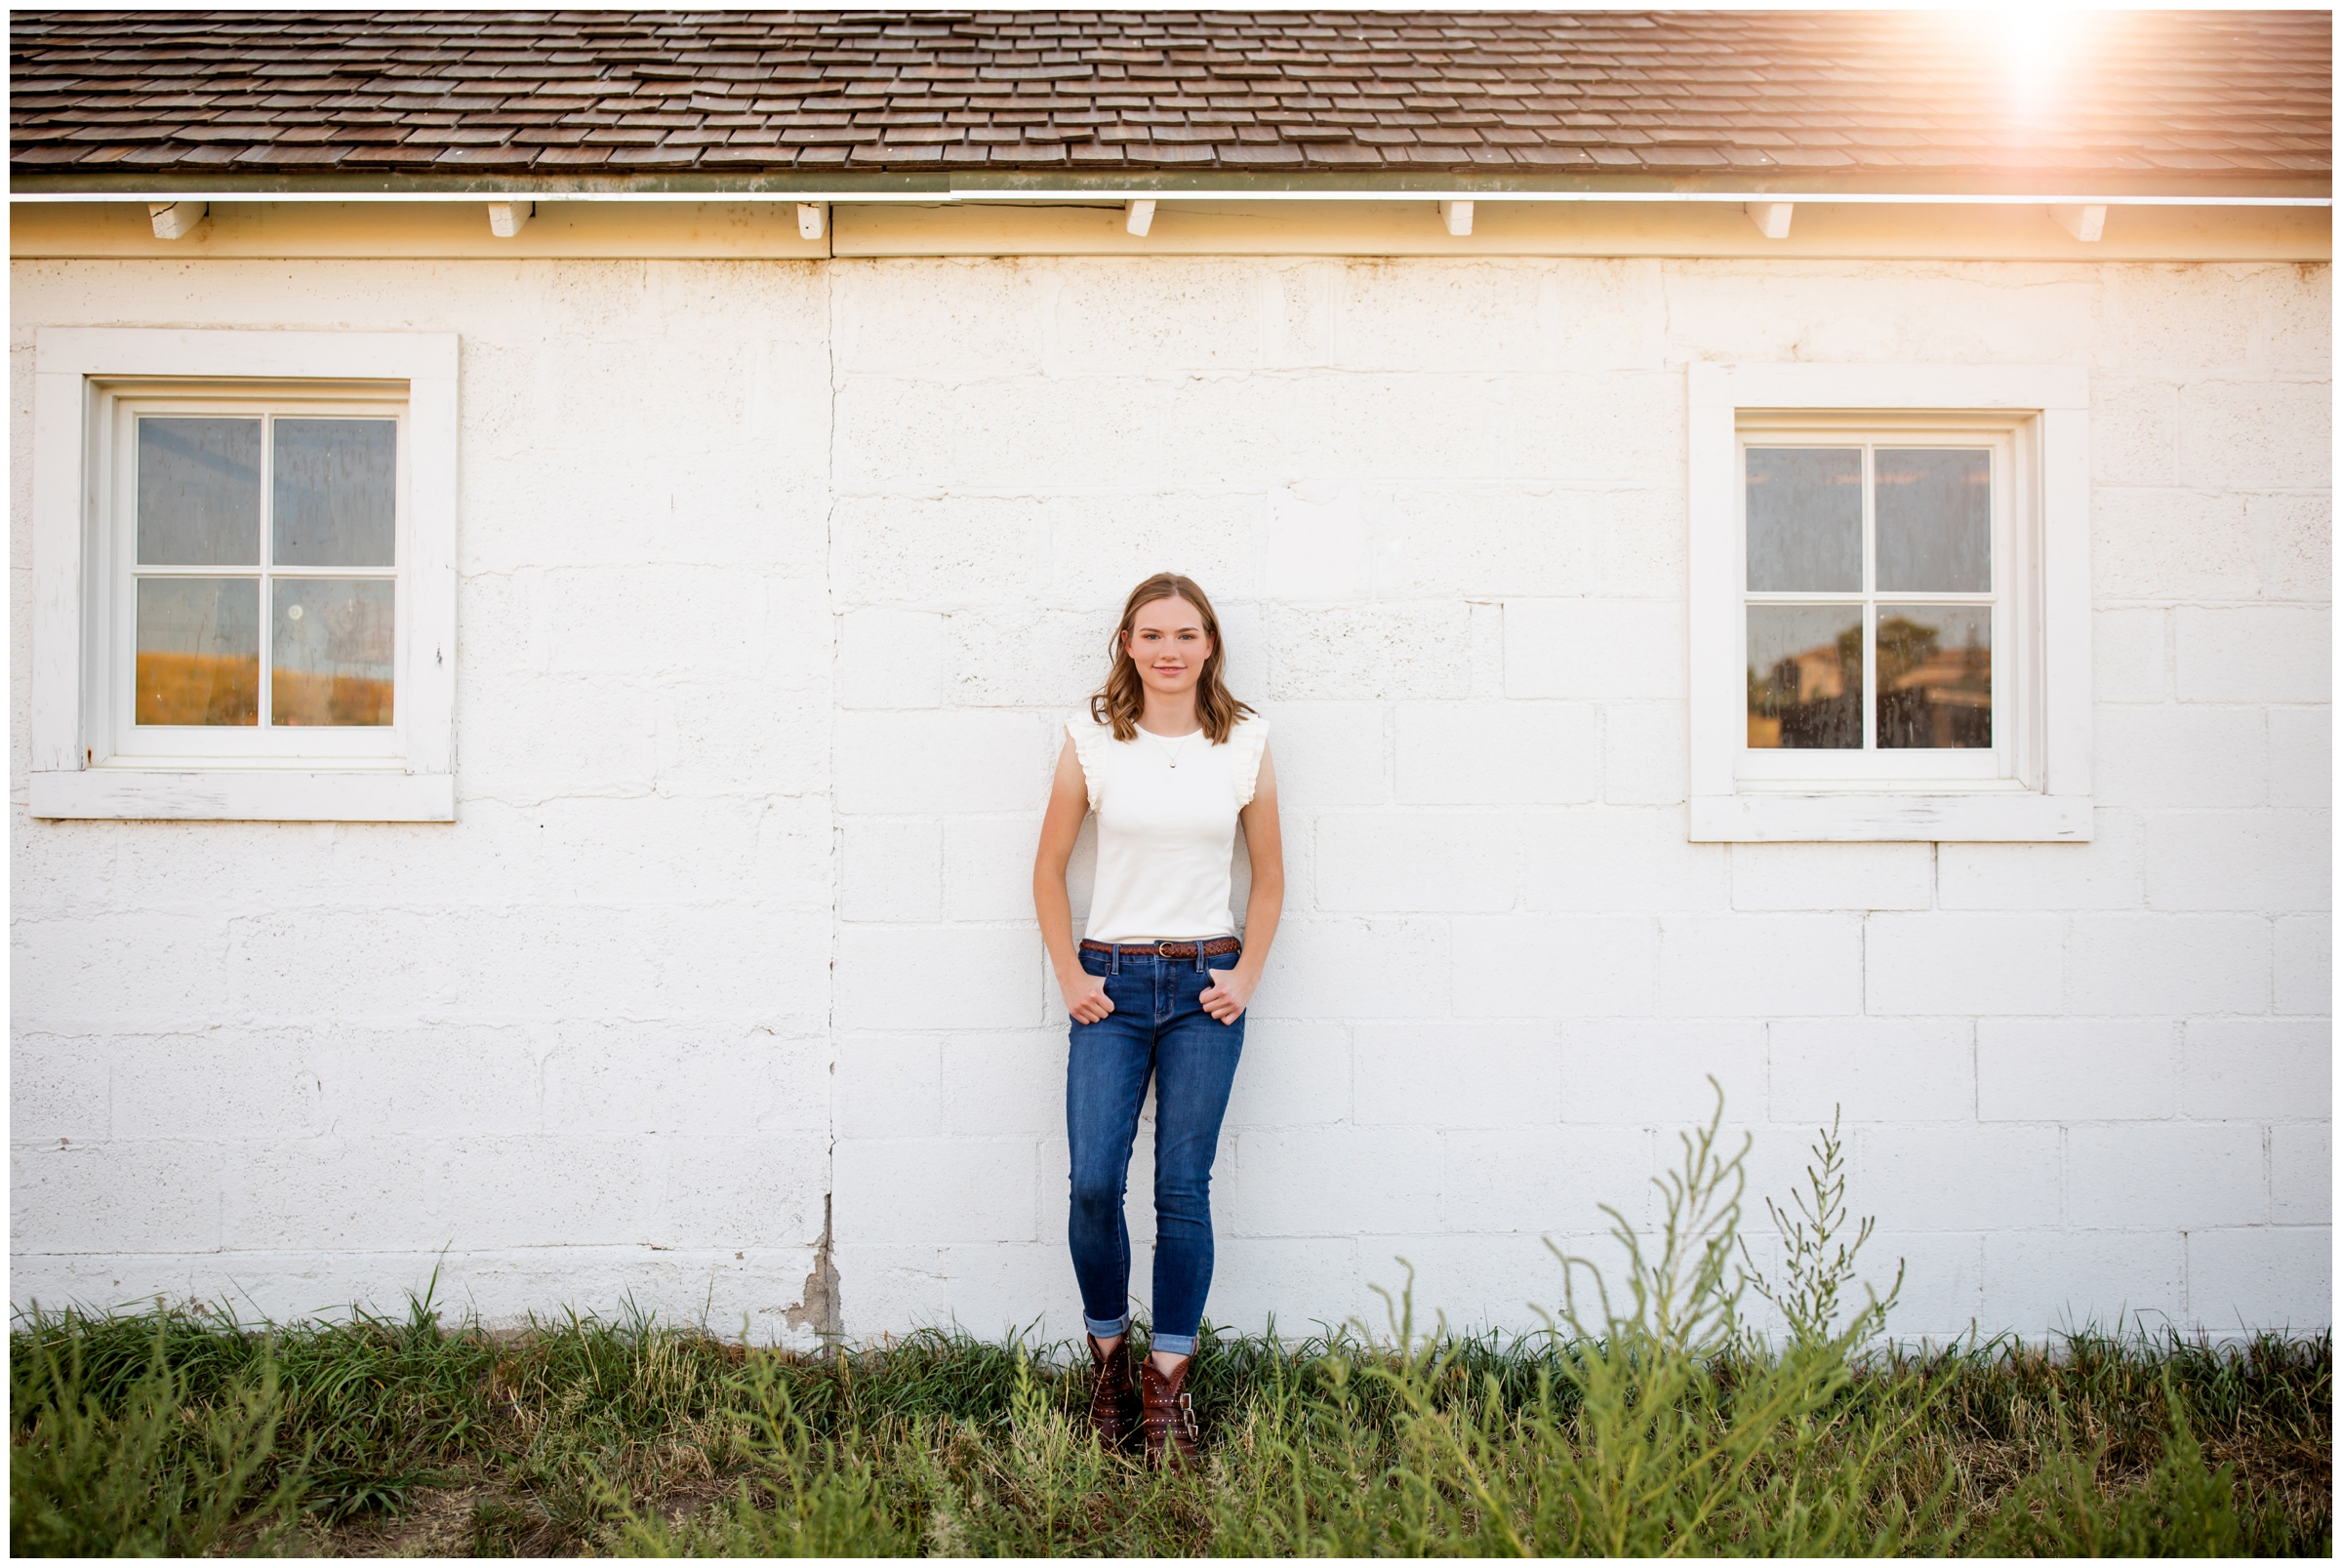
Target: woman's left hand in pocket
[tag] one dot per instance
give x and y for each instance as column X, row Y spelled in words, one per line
column 1228, row 995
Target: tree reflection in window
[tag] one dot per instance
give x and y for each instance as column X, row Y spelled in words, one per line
column 1935, row 675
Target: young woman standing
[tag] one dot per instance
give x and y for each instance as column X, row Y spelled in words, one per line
column 1170, row 762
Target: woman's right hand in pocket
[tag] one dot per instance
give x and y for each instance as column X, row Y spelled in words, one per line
column 1086, row 1001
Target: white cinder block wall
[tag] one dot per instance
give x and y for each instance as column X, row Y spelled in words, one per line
column 777, row 579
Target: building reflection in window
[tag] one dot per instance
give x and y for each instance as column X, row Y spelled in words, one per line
column 1935, row 675
column 1806, row 676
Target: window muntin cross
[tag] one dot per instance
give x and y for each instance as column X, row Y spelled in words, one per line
column 1870, row 593
column 263, row 564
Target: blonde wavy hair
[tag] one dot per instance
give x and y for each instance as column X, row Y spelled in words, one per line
column 1123, row 696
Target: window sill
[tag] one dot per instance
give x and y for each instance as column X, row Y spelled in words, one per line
column 261, row 795
column 1890, row 817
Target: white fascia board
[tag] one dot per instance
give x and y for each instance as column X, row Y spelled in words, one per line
column 1468, row 193
column 1106, row 195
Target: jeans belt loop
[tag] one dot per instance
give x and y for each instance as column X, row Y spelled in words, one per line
column 1113, row 958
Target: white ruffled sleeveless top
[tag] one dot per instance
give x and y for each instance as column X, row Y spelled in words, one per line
column 1166, row 827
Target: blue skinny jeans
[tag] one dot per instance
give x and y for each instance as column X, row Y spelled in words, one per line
column 1156, row 1030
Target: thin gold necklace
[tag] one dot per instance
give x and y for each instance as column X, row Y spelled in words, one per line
column 1169, row 754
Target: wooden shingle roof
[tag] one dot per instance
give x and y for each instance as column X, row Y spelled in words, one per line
column 2157, row 102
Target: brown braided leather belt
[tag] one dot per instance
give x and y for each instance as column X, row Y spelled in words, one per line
column 1213, row 947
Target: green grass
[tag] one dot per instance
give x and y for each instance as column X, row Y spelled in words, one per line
column 1645, row 1421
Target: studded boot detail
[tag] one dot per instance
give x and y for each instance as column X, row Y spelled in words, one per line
column 1113, row 1399
column 1172, row 1435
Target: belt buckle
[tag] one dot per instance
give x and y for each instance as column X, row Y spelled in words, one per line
column 1163, row 949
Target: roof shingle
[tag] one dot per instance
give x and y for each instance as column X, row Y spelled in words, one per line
column 2183, row 97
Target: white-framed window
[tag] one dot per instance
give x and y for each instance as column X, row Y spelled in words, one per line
column 1889, row 602
column 244, row 564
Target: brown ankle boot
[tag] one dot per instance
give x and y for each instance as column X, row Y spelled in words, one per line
column 1169, row 1416
column 1113, row 1399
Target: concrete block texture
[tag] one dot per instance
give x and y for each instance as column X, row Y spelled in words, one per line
column 58, row 1090
column 2131, row 655
column 2106, row 873
column 1833, row 876
column 2269, row 1277
column 1546, row 1181
column 890, row 869
column 775, row 583
column 1645, row 752
column 1650, row 1072
column 1546, row 966
column 1872, row 1068
column 1332, row 1180
column 890, row 659
column 1498, row 753
column 2301, row 1173
column 1762, row 965
column 2256, row 434
column 1619, row 860
column 2074, row 1070
column 2170, row 544
column 2254, row 1069
column 1416, row 860
column 892, row 1190
column 2277, row 862
column 2304, row 960
column 1963, row 963
column 1443, row 1072
column 2189, row 1175
column 2051, row 1282
column 2187, row 757
column 939, row 977
column 1594, row 650
column 2168, row 964
column 2276, row 653
column 1958, row 1178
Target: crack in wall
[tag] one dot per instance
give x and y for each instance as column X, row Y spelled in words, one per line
column 821, row 1289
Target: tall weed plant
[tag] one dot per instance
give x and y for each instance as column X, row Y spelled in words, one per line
column 1658, row 1425
column 146, row 1474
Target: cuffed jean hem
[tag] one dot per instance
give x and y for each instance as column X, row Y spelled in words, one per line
column 1172, row 1343
column 1106, row 1330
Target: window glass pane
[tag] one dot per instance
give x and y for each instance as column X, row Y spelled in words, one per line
column 1806, row 676
column 1804, row 519
column 334, row 479
column 1935, row 522
column 1935, row 675
column 330, row 656
column 199, row 492
column 199, row 650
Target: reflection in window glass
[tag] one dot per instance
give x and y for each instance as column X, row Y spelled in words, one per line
column 331, row 650
column 1935, row 675
column 199, row 492
column 1804, row 519
column 1806, row 676
column 1935, row 521
column 198, row 651
column 333, row 484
